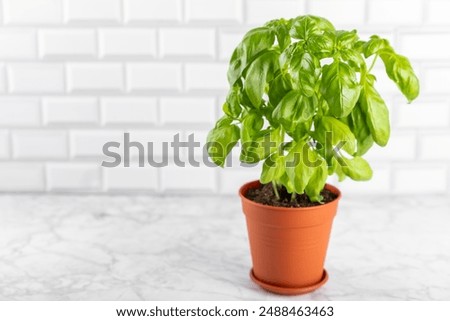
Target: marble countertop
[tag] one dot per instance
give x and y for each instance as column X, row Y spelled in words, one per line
column 195, row 248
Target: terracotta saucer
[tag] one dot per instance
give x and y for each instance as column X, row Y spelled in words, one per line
column 288, row 290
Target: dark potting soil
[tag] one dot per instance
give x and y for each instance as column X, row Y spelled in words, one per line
column 265, row 195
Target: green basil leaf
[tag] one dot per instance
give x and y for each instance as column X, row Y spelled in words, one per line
column 257, row 144
column 340, row 133
column 346, row 39
column 258, row 74
column 317, row 182
column 376, row 113
column 244, row 100
column 220, row 142
column 359, row 127
column 250, row 144
column 279, row 87
column 232, row 106
column 340, row 88
column 262, row 145
column 374, row 46
column 253, row 43
column 336, row 168
column 287, row 55
column 353, row 58
column 301, row 130
column 357, row 169
column 304, row 27
column 399, row 69
column 225, row 120
column 286, row 182
column 322, row 46
column 252, row 124
column 273, row 168
column 301, row 162
column 294, row 109
column 305, row 70
column 281, row 29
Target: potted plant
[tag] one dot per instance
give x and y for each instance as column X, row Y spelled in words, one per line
column 302, row 99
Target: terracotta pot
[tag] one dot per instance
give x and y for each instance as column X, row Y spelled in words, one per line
column 288, row 245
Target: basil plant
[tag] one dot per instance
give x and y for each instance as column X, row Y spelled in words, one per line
column 302, row 99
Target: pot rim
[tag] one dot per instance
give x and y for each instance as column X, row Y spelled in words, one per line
column 330, row 187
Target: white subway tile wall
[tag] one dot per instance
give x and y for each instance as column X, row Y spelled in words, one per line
column 32, row 12
column 70, row 110
column 35, row 78
column 75, row 74
column 130, row 42
column 18, row 44
column 68, row 42
column 4, row 144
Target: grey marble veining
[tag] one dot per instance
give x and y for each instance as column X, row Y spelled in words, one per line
column 196, row 248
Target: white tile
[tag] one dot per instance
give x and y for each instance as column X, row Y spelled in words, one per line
column 228, row 41
column 261, row 11
column 188, row 179
column 95, row 76
column 21, row 177
column 423, row 179
column 127, row 42
column 424, row 114
column 401, row 146
column 67, row 42
column 154, row 10
column 32, row 11
column 3, row 78
column 124, row 110
column 154, row 76
column 17, row 44
column 395, row 12
column 73, row 177
column 184, row 110
column 342, row 12
column 95, row 10
column 158, row 138
column 438, row 11
column 36, row 78
column 380, row 184
column 4, row 144
column 436, row 79
column 430, row 46
column 18, row 112
column 130, row 178
column 187, row 42
column 152, row 147
column 70, row 110
column 214, row 10
column 231, row 180
column 206, row 76
column 89, row 143
column 435, row 146
column 39, row 144
column 199, row 137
